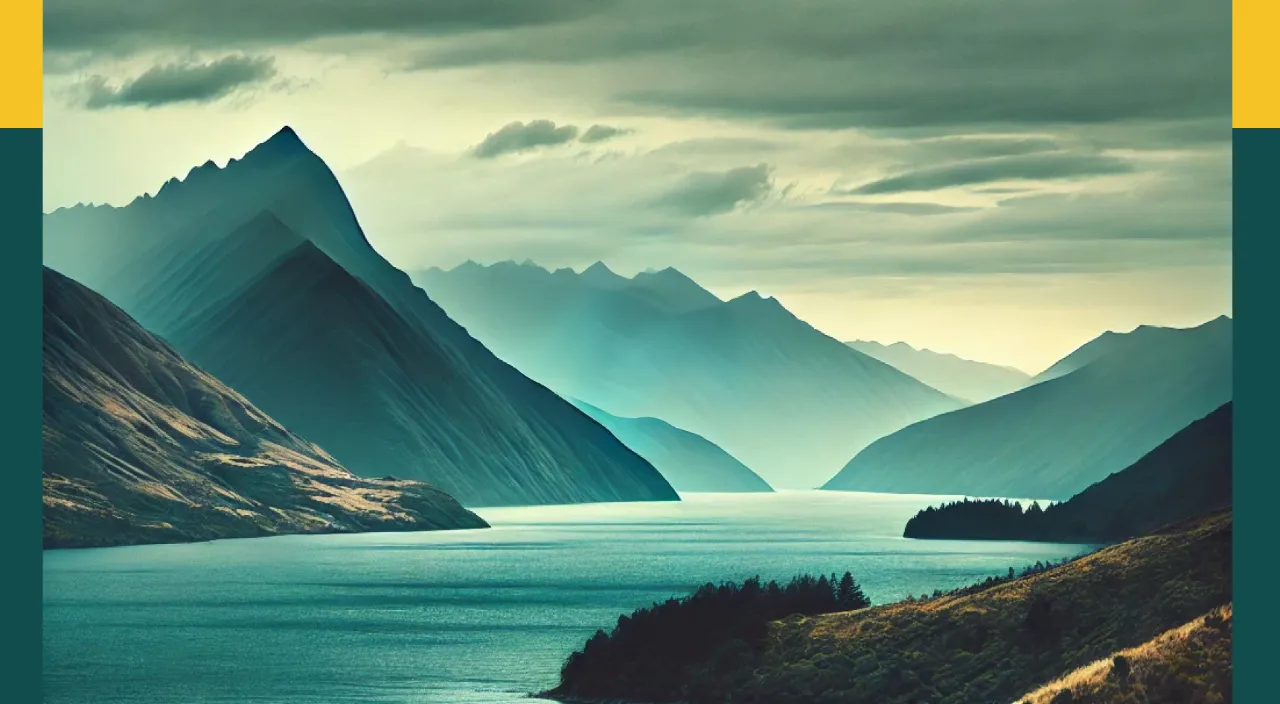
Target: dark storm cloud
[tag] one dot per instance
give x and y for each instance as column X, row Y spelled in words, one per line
column 894, row 63
column 601, row 133
column 715, row 192
column 180, row 83
column 522, row 136
column 126, row 25
column 1028, row 167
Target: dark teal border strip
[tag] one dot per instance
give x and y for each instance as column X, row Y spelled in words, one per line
column 20, row 436
column 1256, row 200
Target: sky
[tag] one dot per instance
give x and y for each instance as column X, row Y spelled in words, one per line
column 999, row 179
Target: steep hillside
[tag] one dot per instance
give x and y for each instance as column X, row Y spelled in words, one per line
column 785, row 399
column 1191, row 663
column 142, row 447
column 260, row 273
column 690, row 462
column 973, row 646
column 971, row 381
column 1057, row 437
column 1187, row 475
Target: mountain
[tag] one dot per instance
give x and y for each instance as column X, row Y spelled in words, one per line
column 1187, row 475
column 142, row 447
column 971, row 381
column 690, row 462
column 259, row 272
column 990, row 642
column 786, row 400
column 1053, row 439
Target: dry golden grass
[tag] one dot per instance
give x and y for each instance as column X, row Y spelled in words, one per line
column 1184, row 654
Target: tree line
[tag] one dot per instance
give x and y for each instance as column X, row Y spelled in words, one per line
column 652, row 652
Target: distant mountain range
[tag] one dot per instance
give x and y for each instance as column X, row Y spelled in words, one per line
column 964, row 379
column 690, row 462
column 1109, row 403
column 1186, row 476
column 788, row 401
column 260, row 273
column 142, row 447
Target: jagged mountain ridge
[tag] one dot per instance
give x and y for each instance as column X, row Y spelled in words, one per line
column 395, row 383
column 1055, row 438
column 142, row 447
column 965, row 379
column 690, row 462
column 788, row 401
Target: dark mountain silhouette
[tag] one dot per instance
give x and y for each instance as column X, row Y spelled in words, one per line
column 690, row 462
column 142, row 447
column 260, row 273
column 788, row 401
column 965, row 379
column 1187, row 475
column 1057, row 437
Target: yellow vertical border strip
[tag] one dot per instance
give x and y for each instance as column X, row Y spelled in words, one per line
column 1255, row 63
column 21, row 63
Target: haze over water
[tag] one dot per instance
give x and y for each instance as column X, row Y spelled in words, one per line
column 456, row 617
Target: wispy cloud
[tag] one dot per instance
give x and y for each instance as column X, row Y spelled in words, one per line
column 190, row 82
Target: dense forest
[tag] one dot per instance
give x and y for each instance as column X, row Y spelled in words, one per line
column 656, row 652
column 985, row 519
column 652, row 651
column 1187, row 475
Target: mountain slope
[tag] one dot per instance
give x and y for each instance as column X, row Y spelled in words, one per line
column 690, row 462
column 962, row 378
column 1187, row 475
column 788, row 401
column 142, row 447
column 260, row 272
column 1190, row 663
column 1055, row 438
column 987, row 643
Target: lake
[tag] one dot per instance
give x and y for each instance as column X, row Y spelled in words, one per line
column 455, row 617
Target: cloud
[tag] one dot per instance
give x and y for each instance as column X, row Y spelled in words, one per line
column 901, row 63
column 190, row 82
column 138, row 25
column 1026, row 167
column 521, row 136
column 601, row 133
column 714, row 192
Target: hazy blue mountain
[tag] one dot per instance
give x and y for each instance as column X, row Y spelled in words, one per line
column 1186, row 476
column 260, row 273
column 1057, row 437
column 690, row 462
column 788, row 401
column 962, row 378
column 142, row 447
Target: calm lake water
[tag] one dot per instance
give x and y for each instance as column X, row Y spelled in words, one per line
column 455, row 617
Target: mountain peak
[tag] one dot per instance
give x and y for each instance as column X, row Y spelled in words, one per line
column 601, row 275
column 754, row 299
column 284, row 142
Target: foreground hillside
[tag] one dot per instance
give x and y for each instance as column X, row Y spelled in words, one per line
column 1115, row 400
column 1187, row 475
column 788, row 401
column 970, row 647
column 1191, row 663
column 260, row 273
column 142, row 447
